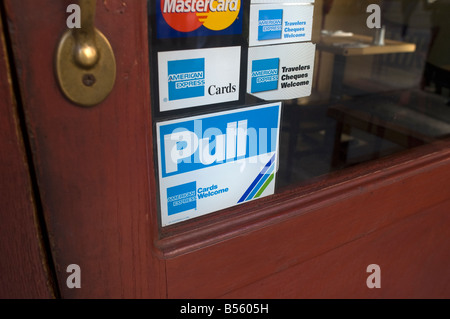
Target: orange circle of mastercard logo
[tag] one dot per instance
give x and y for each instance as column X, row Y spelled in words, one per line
column 189, row 15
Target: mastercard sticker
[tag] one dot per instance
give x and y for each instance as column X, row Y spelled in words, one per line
column 187, row 18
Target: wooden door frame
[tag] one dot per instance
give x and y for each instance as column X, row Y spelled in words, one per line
column 95, row 170
column 291, row 230
column 92, row 164
column 25, row 268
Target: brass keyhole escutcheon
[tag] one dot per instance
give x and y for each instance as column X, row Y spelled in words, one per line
column 85, row 62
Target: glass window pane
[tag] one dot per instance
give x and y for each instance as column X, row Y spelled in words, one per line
column 369, row 100
column 380, row 79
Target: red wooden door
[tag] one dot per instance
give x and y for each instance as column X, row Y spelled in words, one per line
column 24, row 266
column 97, row 184
column 92, row 165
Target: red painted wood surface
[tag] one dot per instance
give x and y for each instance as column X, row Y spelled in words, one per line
column 413, row 255
column 330, row 221
column 92, row 164
column 23, row 263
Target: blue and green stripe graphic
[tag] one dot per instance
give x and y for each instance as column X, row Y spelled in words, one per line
column 261, row 182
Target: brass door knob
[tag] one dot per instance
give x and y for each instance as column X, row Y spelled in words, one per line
column 85, row 62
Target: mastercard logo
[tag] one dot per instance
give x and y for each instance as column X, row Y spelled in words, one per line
column 189, row 15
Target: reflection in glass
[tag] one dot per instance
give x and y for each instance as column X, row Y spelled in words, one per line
column 369, row 101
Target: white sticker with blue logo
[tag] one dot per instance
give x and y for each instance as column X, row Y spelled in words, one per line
column 280, row 23
column 280, row 72
column 211, row 162
column 199, row 77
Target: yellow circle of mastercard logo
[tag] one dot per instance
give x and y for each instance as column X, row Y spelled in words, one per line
column 189, row 15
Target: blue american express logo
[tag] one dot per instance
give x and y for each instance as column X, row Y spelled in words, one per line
column 186, row 78
column 211, row 140
column 270, row 24
column 265, row 75
column 181, row 198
